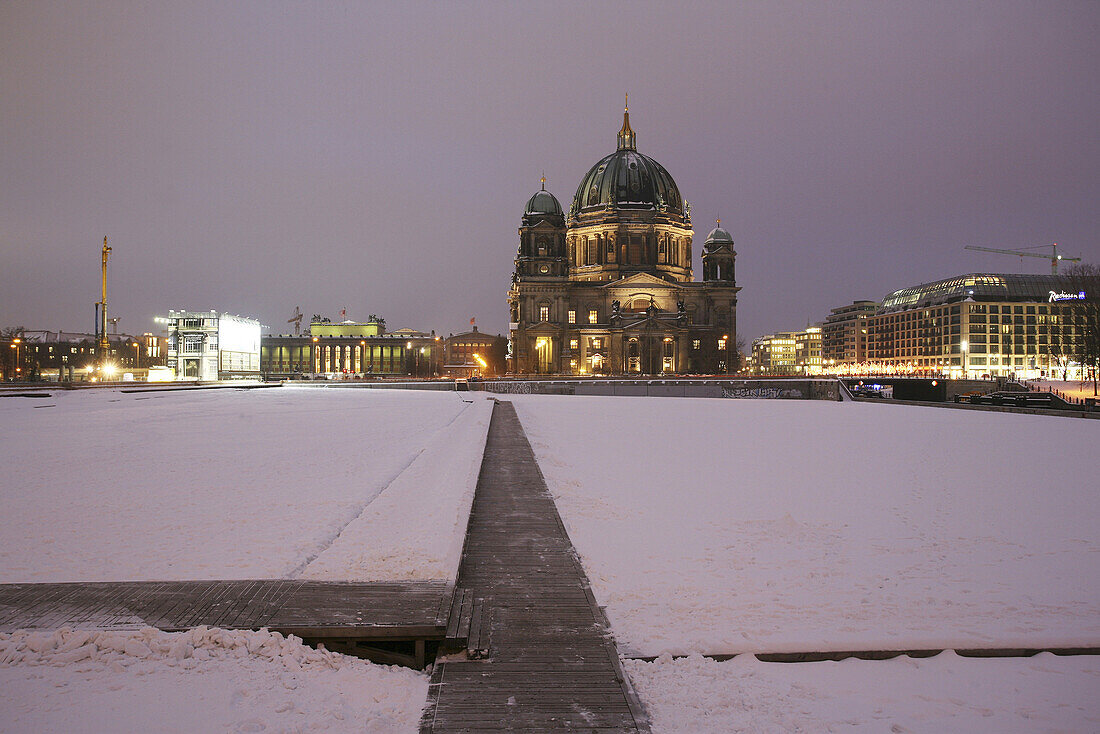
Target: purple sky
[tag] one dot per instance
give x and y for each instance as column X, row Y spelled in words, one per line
column 257, row 157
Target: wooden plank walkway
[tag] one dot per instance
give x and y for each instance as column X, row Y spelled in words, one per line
column 315, row 610
column 551, row 662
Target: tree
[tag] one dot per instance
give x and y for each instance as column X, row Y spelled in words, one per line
column 737, row 360
column 1082, row 316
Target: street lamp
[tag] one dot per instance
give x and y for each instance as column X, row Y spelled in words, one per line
column 15, row 345
column 962, row 346
column 137, row 355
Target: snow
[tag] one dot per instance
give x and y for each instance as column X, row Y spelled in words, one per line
column 726, row 526
column 1070, row 388
column 945, row 693
column 204, row 679
column 102, row 485
column 415, row 529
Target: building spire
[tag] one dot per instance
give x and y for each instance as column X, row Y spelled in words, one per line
column 627, row 138
column 543, row 180
column 719, row 221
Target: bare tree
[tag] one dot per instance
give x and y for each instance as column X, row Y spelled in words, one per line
column 1083, row 317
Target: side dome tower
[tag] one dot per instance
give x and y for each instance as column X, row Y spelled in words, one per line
column 541, row 251
column 719, row 255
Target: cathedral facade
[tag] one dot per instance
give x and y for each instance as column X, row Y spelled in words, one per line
column 607, row 289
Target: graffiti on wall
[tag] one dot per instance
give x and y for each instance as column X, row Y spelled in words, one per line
column 770, row 393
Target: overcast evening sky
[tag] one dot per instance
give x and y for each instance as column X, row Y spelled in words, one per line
column 254, row 157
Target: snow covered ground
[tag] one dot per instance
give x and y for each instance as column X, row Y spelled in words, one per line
column 1071, row 388
column 946, row 693
column 726, row 526
column 101, row 485
column 202, row 680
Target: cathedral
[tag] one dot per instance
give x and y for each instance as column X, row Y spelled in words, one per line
column 607, row 289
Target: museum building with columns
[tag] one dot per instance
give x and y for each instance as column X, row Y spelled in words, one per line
column 608, row 288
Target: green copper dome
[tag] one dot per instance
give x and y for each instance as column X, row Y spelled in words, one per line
column 543, row 202
column 719, row 235
column 626, row 179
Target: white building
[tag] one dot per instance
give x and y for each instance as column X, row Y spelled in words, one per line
column 206, row 345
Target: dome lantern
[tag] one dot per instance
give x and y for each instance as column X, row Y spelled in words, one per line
column 627, row 139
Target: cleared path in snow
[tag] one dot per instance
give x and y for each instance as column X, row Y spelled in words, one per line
column 552, row 662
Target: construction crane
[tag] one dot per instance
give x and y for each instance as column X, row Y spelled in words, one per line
column 296, row 319
column 102, row 344
column 1054, row 257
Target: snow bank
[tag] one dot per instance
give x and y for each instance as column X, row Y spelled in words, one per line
column 204, row 679
column 416, row 527
column 724, row 526
column 109, row 486
column 946, row 693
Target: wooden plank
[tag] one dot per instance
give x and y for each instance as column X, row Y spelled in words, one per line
column 549, row 668
column 320, row 609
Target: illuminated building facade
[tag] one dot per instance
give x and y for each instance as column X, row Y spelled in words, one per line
column 773, row 354
column 974, row 325
column 206, row 345
column 475, row 353
column 350, row 349
column 608, row 287
column 70, row 356
column 844, row 334
column 807, row 351
column 787, row 353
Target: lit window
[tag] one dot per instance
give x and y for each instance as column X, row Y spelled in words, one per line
column 592, row 316
column 597, row 342
column 574, row 344
column 572, row 316
column 544, row 313
column 695, row 344
column 721, row 343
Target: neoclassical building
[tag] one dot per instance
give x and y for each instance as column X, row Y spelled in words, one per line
column 608, row 287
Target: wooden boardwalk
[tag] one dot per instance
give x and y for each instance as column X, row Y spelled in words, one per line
column 551, row 663
column 347, row 616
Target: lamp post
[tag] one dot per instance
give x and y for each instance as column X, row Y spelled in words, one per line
column 18, row 367
column 137, row 355
column 962, row 346
column 314, row 358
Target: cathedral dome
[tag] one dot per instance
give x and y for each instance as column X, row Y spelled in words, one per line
column 626, row 179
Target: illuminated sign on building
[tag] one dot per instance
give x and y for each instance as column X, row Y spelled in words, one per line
column 1063, row 296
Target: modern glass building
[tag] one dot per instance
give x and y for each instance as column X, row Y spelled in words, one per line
column 976, row 325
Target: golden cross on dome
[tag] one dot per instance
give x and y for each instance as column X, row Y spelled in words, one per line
column 719, row 221
column 543, row 179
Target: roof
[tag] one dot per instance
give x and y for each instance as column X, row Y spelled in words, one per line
column 976, row 287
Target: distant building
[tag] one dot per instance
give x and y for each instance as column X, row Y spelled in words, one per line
column 773, row 354
column 206, row 345
column 844, row 334
column 807, row 351
column 475, row 353
column 977, row 324
column 350, row 349
column 787, row 353
column 607, row 288
column 71, row 356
